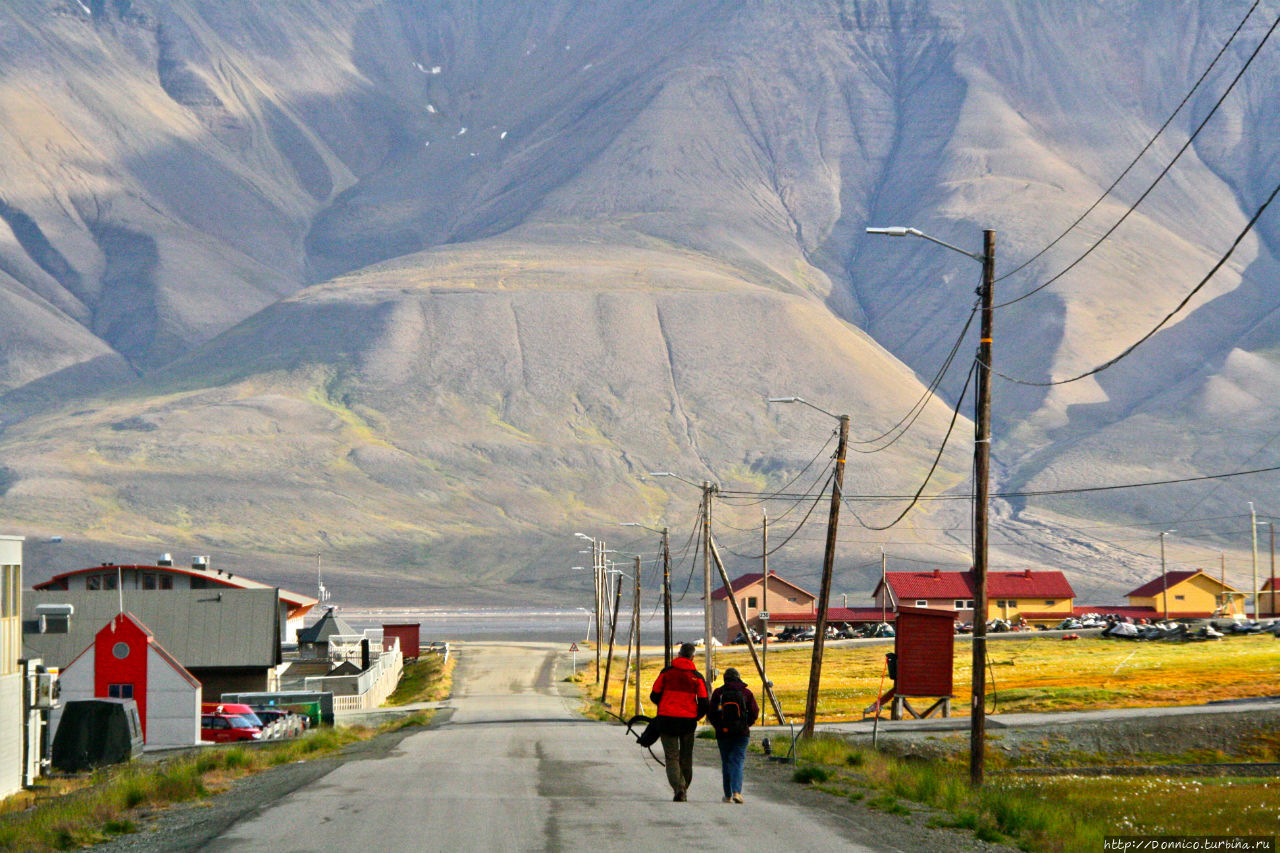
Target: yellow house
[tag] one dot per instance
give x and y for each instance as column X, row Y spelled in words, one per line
column 1188, row 595
column 1037, row 597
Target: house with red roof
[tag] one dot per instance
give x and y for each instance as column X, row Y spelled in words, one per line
column 1185, row 595
column 754, row 595
column 1267, row 599
column 1037, row 597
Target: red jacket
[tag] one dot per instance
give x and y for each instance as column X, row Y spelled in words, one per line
column 680, row 691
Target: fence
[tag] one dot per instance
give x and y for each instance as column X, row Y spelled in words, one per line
column 369, row 689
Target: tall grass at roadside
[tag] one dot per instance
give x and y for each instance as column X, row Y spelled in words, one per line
column 1059, row 814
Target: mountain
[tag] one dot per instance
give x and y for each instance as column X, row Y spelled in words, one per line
column 427, row 287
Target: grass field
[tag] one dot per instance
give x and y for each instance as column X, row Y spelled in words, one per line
column 1040, row 674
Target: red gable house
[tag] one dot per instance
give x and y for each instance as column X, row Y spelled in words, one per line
column 125, row 662
column 749, row 590
column 1039, row 597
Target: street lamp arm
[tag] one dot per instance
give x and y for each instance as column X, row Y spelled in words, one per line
column 901, row 231
column 676, row 476
column 805, row 402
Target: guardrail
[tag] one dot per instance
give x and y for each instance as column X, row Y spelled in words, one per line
column 366, row 690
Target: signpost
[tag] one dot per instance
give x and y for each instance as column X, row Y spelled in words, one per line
column 573, row 647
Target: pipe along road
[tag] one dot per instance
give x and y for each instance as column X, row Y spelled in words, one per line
column 508, row 765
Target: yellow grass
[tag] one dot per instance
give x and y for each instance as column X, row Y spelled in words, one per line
column 1041, row 674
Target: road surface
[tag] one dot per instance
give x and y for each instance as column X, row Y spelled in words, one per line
column 511, row 768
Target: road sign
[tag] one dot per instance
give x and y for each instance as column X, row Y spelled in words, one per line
column 573, row 647
column 764, row 615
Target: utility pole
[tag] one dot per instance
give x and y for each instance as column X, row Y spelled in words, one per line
column 613, row 630
column 982, row 469
column 597, row 559
column 828, row 567
column 1273, row 572
column 1164, row 575
column 764, row 599
column 635, row 628
column 1253, row 529
column 666, row 598
column 707, row 489
column 884, row 589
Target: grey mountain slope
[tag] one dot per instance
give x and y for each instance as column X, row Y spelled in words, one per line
column 181, row 182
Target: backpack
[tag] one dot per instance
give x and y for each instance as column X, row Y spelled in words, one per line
column 732, row 715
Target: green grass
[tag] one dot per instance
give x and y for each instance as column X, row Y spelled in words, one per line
column 1055, row 814
column 428, row 679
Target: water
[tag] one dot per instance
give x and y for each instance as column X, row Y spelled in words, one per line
column 528, row 624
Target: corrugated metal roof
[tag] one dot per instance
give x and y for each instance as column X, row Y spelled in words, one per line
column 217, row 577
column 957, row 585
column 199, row 627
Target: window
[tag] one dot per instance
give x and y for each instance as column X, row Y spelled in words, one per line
column 1179, row 598
column 148, row 580
column 93, row 582
column 922, row 602
column 199, row 583
column 120, row 691
column 166, row 581
column 751, row 602
column 961, row 604
column 1049, row 602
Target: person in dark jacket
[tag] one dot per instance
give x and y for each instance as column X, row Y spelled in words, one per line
column 680, row 692
column 733, row 711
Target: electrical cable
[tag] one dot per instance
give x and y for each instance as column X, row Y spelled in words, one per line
column 799, row 527
column 1159, row 177
column 1234, row 245
column 1140, row 154
column 795, row 502
column 802, row 470
column 955, row 415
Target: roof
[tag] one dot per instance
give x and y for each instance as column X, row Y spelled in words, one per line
column 294, row 600
column 198, row 627
column 744, row 581
column 329, row 625
column 941, row 585
column 1169, row 580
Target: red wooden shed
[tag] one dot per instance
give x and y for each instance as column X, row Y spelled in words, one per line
column 408, row 632
column 925, row 646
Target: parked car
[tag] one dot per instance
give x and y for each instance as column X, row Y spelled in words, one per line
column 231, row 708
column 278, row 722
column 228, row 728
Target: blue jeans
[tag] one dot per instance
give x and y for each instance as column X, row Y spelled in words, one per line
column 733, row 755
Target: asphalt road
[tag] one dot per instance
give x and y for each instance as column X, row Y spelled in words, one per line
column 510, row 767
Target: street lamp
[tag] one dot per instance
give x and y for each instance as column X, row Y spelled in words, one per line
column 1163, row 574
column 666, row 587
column 828, row 565
column 597, row 565
column 981, row 468
column 708, row 489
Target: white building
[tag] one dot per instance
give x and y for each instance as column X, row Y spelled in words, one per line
column 12, row 710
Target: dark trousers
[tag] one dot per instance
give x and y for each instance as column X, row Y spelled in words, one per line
column 733, row 755
column 677, row 752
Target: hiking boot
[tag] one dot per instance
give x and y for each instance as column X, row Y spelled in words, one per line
column 737, row 798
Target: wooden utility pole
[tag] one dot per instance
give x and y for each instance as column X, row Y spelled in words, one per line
column 596, row 548
column 1273, row 573
column 707, row 639
column 764, row 600
column 751, row 646
column 884, row 589
column 828, row 567
column 635, row 628
column 613, row 629
column 1253, row 529
column 666, row 598
column 981, row 473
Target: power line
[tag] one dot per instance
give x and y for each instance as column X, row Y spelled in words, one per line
column 1239, row 238
column 1132, row 162
column 1154, row 183
column 817, row 500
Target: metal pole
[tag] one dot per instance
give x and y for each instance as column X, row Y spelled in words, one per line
column 596, row 556
column 666, row 598
column 1273, row 570
column 706, row 581
column 981, row 473
column 1164, row 576
column 828, row 566
column 1253, row 529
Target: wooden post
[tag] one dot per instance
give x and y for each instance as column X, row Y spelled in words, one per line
column 666, row 597
column 707, row 489
column 764, row 598
column 828, row 567
column 613, row 629
column 635, row 627
column 982, row 470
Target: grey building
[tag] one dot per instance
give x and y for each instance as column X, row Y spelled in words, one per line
column 229, row 639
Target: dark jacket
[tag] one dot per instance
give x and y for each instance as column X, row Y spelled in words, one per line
column 680, row 692
column 750, row 707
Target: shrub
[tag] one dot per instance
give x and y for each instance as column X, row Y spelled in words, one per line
column 809, row 774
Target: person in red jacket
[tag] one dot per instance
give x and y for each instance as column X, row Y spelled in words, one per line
column 680, row 692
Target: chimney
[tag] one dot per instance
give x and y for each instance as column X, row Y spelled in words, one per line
column 165, row 560
column 1026, row 573
column 200, row 563
column 937, row 573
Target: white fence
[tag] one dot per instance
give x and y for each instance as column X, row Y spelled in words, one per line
column 369, row 689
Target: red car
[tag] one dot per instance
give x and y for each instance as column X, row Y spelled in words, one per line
column 227, row 728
